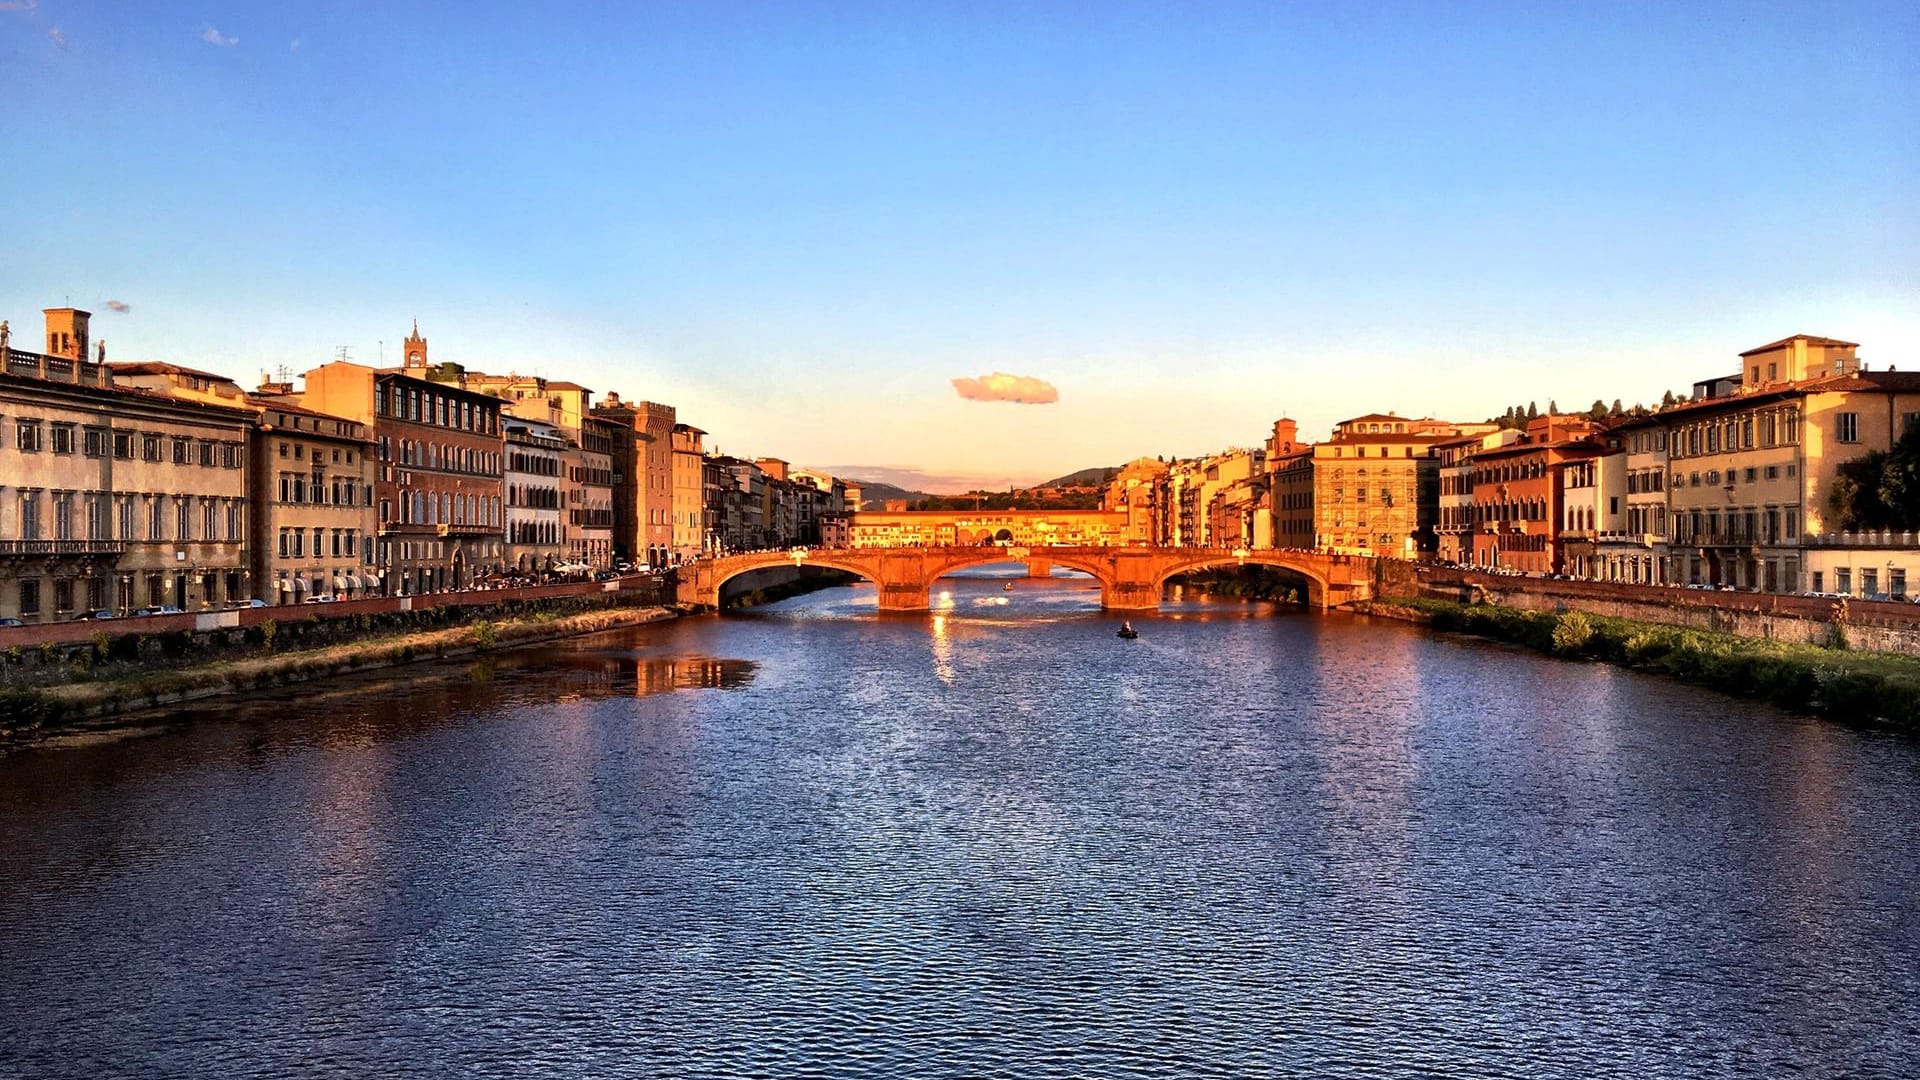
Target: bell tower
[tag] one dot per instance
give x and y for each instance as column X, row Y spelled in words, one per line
column 416, row 350
column 67, row 332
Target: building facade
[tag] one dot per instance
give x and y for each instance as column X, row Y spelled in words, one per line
column 439, row 493
column 311, row 485
column 111, row 498
column 1018, row 528
column 689, row 513
column 534, row 471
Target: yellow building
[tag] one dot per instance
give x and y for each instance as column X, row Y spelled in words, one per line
column 689, row 461
column 1018, row 528
column 1376, row 483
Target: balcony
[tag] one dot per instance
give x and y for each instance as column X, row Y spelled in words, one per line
column 44, row 548
column 446, row 529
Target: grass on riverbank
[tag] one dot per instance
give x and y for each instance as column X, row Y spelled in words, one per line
column 26, row 710
column 1850, row 686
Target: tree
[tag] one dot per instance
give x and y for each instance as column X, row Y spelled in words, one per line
column 1599, row 410
column 1666, row 400
column 1533, row 411
column 1879, row 489
column 1617, row 410
column 1553, row 407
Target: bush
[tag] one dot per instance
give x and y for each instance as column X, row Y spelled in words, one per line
column 1571, row 632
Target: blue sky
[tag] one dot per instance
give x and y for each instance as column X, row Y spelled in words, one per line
column 799, row 223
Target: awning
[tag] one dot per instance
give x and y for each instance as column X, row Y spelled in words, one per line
column 340, row 583
column 299, row 584
column 285, row 585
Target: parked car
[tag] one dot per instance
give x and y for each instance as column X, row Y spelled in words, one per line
column 95, row 616
column 11, row 621
column 163, row 609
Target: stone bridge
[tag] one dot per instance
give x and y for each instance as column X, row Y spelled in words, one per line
column 1130, row 577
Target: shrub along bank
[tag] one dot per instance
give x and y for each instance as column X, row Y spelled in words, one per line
column 1834, row 682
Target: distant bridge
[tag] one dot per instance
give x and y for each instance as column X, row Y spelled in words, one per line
column 1130, row 577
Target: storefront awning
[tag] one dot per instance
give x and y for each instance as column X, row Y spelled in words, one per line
column 299, row 584
column 340, row 583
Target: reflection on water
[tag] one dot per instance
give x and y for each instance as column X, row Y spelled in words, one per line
column 990, row 841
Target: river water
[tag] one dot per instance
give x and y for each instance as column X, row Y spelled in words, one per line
column 993, row 841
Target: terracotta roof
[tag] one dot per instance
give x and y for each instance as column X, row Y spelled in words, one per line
column 161, row 367
column 1808, row 338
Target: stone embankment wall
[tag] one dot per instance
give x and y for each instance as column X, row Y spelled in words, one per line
column 1877, row 626
column 39, row 654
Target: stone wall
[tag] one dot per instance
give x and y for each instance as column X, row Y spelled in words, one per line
column 1875, row 626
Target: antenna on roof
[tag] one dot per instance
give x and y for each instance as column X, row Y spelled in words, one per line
column 383, row 352
column 340, row 352
column 283, row 374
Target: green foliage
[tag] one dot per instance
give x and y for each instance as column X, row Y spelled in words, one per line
column 1843, row 685
column 485, row 634
column 268, row 631
column 1571, row 632
column 1879, row 489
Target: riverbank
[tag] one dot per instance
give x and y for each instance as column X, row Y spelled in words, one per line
column 26, row 711
column 1837, row 683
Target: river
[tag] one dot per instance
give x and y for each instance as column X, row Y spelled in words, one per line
column 992, row 841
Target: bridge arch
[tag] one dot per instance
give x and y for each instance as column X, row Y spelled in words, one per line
column 1316, row 582
column 988, row 556
column 726, row 570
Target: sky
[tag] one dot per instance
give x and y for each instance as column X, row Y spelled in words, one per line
column 868, row 237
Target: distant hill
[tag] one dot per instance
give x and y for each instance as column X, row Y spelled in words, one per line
column 876, row 494
column 1096, row 477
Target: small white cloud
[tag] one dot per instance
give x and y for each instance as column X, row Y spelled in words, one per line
column 19, row 5
column 219, row 40
column 294, row 46
column 119, row 306
column 57, row 36
column 1000, row 386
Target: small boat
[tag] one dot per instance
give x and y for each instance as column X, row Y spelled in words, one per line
column 1008, row 587
column 1127, row 631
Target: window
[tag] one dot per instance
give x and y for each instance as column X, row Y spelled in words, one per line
column 125, row 512
column 206, row 454
column 30, row 515
column 1869, row 581
column 157, row 518
column 26, row 435
column 123, row 445
column 1819, row 581
column 94, row 442
column 182, row 519
column 63, row 595
column 150, row 448
column 30, row 597
column 1843, row 581
column 1846, row 427
column 1897, row 582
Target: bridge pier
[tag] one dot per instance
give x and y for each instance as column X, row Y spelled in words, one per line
column 903, row 596
column 1039, row 568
